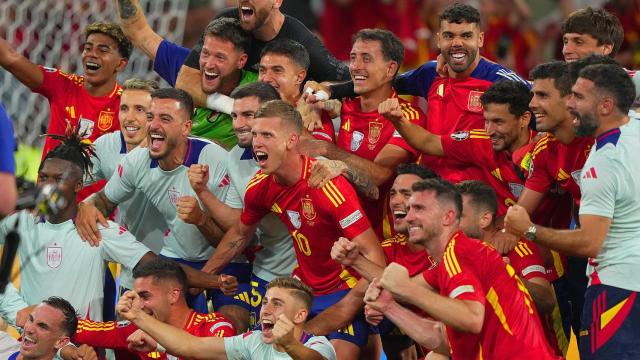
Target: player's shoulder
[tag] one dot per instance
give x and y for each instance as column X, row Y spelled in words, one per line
column 524, row 249
column 110, row 140
column 114, row 230
column 137, row 160
column 470, row 135
column 336, row 191
column 59, row 73
column 258, row 180
column 409, row 111
column 202, row 149
column 397, row 239
column 490, row 71
column 545, row 143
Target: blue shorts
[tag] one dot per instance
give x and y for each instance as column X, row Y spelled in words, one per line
column 610, row 324
column 252, row 299
column 357, row 332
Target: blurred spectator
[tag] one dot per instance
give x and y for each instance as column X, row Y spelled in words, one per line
column 9, row 193
column 628, row 11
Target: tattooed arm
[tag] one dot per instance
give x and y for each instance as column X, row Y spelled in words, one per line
column 232, row 244
column 324, row 170
column 136, row 27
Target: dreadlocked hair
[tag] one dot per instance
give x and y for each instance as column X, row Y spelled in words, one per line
column 73, row 149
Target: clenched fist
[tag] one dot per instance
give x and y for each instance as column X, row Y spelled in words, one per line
column 199, row 177
column 390, row 109
column 344, row 251
column 189, row 211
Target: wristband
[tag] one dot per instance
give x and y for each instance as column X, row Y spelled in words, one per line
column 58, row 354
column 320, row 95
column 220, row 102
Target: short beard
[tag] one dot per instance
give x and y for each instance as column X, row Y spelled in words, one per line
column 588, row 126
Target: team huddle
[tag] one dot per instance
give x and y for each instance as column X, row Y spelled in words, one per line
column 275, row 203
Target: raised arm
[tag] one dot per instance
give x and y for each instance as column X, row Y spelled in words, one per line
column 24, row 70
column 418, row 137
column 189, row 81
column 136, row 28
column 223, row 215
column 232, row 244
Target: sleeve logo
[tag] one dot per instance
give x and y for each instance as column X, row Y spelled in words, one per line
column 460, row 135
column 352, row 218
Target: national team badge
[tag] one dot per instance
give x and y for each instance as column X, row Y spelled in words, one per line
column 308, row 210
column 356, row 140
column 85, row 127
column 460, row 135
column 516, row 189
column 474, row 103
column 294, row 217
column 54, row 256
column 105, row 120
column 375, row 129
column 173, row 195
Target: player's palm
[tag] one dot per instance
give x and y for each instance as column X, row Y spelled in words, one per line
column 87, row 218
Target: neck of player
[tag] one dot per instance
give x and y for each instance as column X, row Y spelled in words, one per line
column 179, row 316
column 271, row 27
column 100, row 89
column 611, row 122
column 65, row 215
column 565, row 132
column 523, row 139
column 176, row 157
column 370, row 101
column 230, row 83
column 438, row 244
column 290, row 171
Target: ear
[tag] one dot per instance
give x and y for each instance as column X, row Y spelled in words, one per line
column 301, row 316
column 61, row 342
column 607, row 49
column 187, row 127
column 525, row 119
column 302, row 74
column 277, row 4
column 79, row 185
column 606, row 106
column 292, row 141
column 449, row 217
column 391, row 71
column 243, row 60
column 122, row 64
column 174, row 295
column 438, row 40
column 480, row 39
column 485, row 220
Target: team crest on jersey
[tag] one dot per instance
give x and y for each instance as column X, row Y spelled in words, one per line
column 54, row 256
column 474, row 103
column 86, row 127
column 294, row 217
column 460, row 135
column 105, row 120
column 375, row 130
column 516, row 189
column 308, row 210
column 356, row 140
column 173, row 195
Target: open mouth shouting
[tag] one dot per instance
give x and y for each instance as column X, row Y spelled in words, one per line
column 91, row 67
column 399, row 215
column 261, row 158
column 246, row 13
column 28, row 342
column 156, row 140
column 458, row 56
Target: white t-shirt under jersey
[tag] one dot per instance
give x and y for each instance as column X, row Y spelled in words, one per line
column 137, row 172
column 54, row 261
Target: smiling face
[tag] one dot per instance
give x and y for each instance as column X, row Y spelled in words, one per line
column 424, row 218
column 157, row 296
column 399, row 200
column 101, row 59
column 243, row 114
column 43, row 333
column 167, row 125
column 283, row 74
column 502, row 126
column 368, row 68
column 549, row 107
column 577, row 46
column 219, row 60
column 272, row 141
column 254, row 13
column 583, row 104
column 134, row 105
column 460, row 44
column 279, row 301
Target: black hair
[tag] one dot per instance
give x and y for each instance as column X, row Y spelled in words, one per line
column 558, row 71
column 179, row 95
column 482, row 196
column 391, row 46
column 576, row 66
column 602, row 25
column 70, row 323
column 445, row 191
column 460, row 13
column 229, row 29
column 113, row 31
column 514, row 93
column 73, row 149
column 163, row 269
column 263, row 91
column 289, row 48
column 417, row 170
column 613, row 80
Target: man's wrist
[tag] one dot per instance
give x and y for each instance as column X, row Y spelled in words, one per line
column 59, row 352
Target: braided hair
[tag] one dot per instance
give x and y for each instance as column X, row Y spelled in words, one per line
column 73, row 149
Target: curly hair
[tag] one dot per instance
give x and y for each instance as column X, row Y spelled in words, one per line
column 73, row 149
column 113, row 31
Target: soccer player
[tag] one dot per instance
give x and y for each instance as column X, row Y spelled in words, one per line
column 454, row 99
column 274, row 255
column 162, row 287
column 160, row 172
column 367, row 142
column 48, row 329
column 137, row 214
column 53, row 259
column 396, row 249
column 487, row 310
column 601, row 98
column 497, row 150
column 315, row 217
column 265, row 22
column 225, row 47
column 7, row 166
column 286, row 306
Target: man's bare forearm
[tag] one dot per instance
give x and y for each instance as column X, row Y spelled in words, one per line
column 362, row 182
column 137, row 29
column 232, row 244
column 101, row 202
column 427, row 333
column 211, row 231
column 375, row 172
column 340, row 314
column 367, row 268
column 222, row 214
column 189, row 81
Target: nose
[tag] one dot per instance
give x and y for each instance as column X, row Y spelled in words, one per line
column 534, row 101
column 489, row 127
column 571, row 102
column 410, row 216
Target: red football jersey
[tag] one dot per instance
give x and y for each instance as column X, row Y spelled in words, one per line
column 316, row 218
column 68, row 100
column 326, row 132
column 472, row 270
column 365, row 134
column 396, row 250
column 526, row 260
column 473, row 149
column 555, row 163
column 113, row 335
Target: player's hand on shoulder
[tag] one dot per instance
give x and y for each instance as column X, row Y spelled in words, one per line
column 189, row 211
column 140, row 341
column 199, row 177
column 87, row 219
column 322, row 171
column 390, row 109
column 314, row 92
column 344, row 251
column 228, row 284
column 283, row 331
